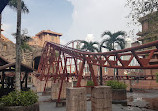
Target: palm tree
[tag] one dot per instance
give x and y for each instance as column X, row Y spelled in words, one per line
column 114, row 38
column 24, row 39
column 3, row 5
column 89, row 46
column 24, row 46
column 13, row 4
column 20, row 5
column 18, row 49
column 100, row 50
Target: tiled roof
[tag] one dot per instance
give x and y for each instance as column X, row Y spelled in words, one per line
column 5, row 39
column 48, row 31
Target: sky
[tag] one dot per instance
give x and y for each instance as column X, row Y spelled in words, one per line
column 75, row 19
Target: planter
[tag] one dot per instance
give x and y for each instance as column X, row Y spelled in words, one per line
column 119, row 96
column 34, row 107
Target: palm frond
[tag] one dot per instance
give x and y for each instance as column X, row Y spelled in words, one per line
column 113, row 38
column 121, row 44
column 89, row 46
column 119, row 33
column 105, row 41
column 13, row 4
column 106, row 33
column 96, row 49
column 121, row 40
column 93, row 43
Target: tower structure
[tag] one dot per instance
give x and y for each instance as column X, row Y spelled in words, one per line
column 149, row 32
column 45, row 35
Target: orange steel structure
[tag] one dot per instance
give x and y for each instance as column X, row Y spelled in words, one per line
column 54, row 61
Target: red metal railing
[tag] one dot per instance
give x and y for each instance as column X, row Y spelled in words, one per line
column 54, row 61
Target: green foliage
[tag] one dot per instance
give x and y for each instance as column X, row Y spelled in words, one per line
column 90, row 83
column 24, row 39
column 114, row 38
column 13, row 4
column 157, row 77
column 116, row 84
column 140, row 8
column 19, row 98
column 25, row 46
column 89, row 46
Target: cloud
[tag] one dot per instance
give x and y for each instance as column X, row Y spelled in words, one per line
column 89, row 37
column 8, row 31
column 97, row 16
column 63, row 42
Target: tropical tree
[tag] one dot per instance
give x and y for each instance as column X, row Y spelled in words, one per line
column 24, row 39
column 13, row 4
column 18, row 44
column 140, row 8
column 89, row 46
column 3, row 5
column 18, row 49
column 114, row 38
column 109, row 47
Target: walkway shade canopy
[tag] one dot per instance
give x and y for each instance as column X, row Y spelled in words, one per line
column 11, row 67
column 3, row 4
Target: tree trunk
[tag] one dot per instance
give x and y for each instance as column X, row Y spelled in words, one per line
column 0, row 24
column 18, row 48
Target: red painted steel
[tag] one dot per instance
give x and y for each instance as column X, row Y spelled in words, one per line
column 55, row 63
column 141, row 77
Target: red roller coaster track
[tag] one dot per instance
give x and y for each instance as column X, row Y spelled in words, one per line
column 55, row 61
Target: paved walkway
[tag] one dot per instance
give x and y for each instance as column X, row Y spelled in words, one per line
column 137, row 101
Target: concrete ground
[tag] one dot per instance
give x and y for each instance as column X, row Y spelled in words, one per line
column 137, row 101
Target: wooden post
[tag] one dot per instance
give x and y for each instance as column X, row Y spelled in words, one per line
column 3, row 77
column 26, row 76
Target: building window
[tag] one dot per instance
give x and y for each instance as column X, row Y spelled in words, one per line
column 106, row 69
column 52, row 38
column 145, row 26
column 5, row 47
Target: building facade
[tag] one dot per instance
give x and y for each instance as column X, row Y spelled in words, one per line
column 149, row 33
column 45, row 35
column 30, row 58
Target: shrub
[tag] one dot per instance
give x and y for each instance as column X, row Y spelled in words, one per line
column 19, row 98
column 90, row 83
column 157, row 77
column 116, row 84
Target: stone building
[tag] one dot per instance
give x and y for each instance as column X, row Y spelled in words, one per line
column 7, row 49
column 149, row 33
column 149, row 28
column 30, row 58
column 38, row 41
column 45, row 35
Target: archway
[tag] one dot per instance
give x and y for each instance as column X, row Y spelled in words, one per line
column 36, row 61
